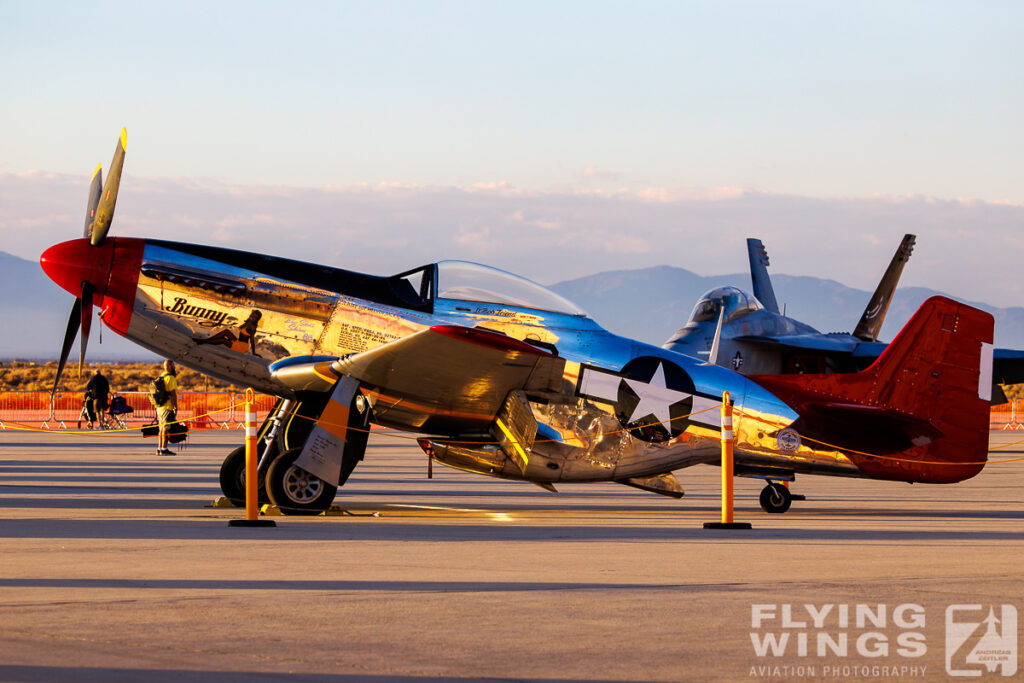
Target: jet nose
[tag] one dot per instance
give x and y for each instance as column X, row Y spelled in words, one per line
column 71, row 263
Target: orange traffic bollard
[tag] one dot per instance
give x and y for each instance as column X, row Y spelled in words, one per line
column 727, row 471
column 252, row 509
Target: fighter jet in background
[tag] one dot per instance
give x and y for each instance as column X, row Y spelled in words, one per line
column 757, row 339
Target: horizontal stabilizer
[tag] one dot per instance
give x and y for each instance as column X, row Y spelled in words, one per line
column 925, row 398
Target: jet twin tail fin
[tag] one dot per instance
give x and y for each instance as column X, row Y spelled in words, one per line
column 870, row 323
column 763, row 290
column 925, row 400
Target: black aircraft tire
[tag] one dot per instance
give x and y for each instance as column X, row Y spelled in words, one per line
column 293, row 490
column 775, row 498
column 232, row 479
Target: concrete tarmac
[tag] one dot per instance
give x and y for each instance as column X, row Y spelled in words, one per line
column 112, row 568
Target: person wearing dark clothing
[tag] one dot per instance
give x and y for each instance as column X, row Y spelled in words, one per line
column 97, row 393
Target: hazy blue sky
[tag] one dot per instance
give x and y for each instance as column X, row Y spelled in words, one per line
column 849, row 123
column 813, row 98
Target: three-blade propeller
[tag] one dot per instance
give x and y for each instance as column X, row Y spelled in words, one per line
column 99, row 213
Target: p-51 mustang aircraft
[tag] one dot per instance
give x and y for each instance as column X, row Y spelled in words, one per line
column 503, row 377
column 754, row 338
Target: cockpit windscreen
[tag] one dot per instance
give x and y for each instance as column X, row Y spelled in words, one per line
column 734, row 301
column 465, row 281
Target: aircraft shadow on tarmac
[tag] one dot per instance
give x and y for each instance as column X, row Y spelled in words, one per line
column 158, row 499
column 341, row 585
column 133, row 502
column 373, row 529
column 167, row 485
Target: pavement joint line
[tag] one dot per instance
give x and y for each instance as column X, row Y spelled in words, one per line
column 246, row 654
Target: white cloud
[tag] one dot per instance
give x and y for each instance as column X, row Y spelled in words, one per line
column 236, row 220
column 967, row 247
column 592, row 172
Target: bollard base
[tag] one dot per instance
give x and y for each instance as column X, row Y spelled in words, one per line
column 727, row 525
column 252, row 522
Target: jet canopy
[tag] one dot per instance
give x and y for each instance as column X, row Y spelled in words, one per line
column 465, row 281
column 734, row 301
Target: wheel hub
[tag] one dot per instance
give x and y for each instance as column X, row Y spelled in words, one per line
column 301, row 486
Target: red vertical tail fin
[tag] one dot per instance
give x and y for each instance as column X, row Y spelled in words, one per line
column 920, row 412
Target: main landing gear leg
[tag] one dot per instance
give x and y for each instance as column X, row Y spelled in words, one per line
column 232, row 471
column 775, row 498
column 298, row 492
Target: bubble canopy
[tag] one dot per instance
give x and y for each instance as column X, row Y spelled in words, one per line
column 466, row 281
column 734, row 301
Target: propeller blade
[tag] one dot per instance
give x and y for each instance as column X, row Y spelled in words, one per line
column 95, row 192
column 74, row 321
column 105, row 210
column 87, row 291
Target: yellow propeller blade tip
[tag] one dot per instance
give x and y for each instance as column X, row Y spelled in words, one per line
column 124, row 139
column 99, row 167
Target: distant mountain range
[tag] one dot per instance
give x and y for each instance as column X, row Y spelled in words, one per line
column 35, row 312
column 648, row 304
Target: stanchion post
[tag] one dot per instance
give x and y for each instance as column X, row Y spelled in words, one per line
column 251, row 501
column 727, row 471
column 252, row 510
column 727, row 464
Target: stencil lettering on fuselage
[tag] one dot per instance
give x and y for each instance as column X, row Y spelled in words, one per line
column 654, row 398
column 354, row 328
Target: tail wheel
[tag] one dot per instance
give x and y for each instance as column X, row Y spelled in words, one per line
column 294, row 490
column 232, row 479
column 775, row 498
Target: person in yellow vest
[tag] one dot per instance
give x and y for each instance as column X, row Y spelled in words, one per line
column 166, row 410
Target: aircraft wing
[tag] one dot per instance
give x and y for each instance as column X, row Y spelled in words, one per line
column 448, row 379
column 1008, row 366
column 801, row 341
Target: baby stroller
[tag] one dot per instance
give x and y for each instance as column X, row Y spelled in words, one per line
column 111, row 418
column 119, row 408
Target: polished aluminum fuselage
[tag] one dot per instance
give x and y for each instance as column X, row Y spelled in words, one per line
column 191, row 302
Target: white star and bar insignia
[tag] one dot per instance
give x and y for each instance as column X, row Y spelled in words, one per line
column 656, row 398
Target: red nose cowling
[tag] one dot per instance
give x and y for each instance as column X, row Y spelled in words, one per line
column 112, row 268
